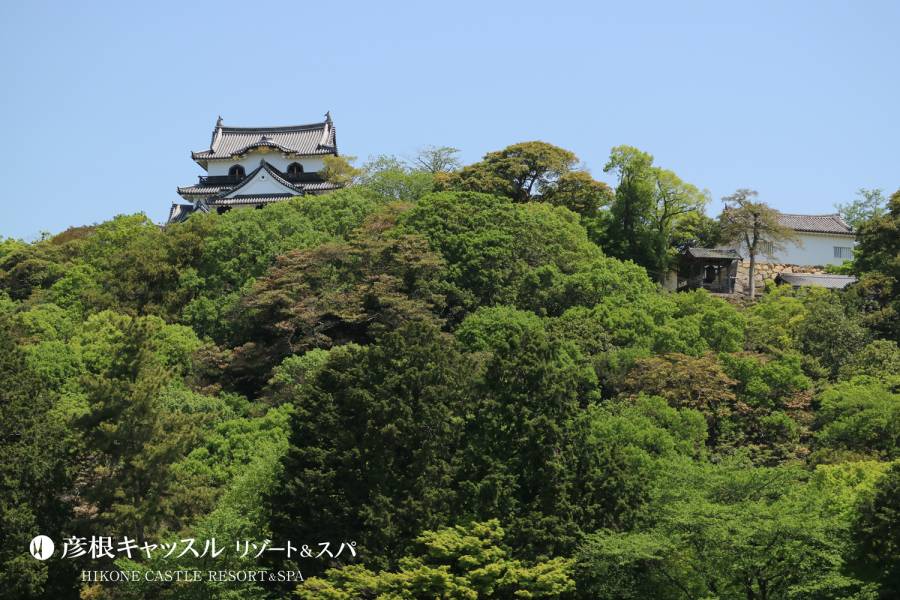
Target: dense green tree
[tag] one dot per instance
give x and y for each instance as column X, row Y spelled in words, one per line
column 519, row 450
column 877, row 261
column 333, row 294
column 579, row 192
column 673, row 201
column 718, row 324
column 879, row 359
column 773, row 319
column 774, row 400
column 697, row 230
column 340, row 169
column 135, row 262
column 227, row 252
column 632, row 566
column 131, row 437
column 454, row 563
column 25, row 268
column 373, row 445
column 625, row 234
column 860, row 416
column 830, row 333
column 742, row 534
column 497, row 251
column 36, row 476
column 219, row 488
column 877, row 534
column 684, row 381
column 520, row 171
column 651, row 208
column 391, row 179
column 493, row 328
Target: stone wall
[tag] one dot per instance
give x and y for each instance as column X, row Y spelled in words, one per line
column 766, row 272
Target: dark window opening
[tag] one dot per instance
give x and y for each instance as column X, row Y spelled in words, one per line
column 236, row 173
column 295, row 170
column 223, row 209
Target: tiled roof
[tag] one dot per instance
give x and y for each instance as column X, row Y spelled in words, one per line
column 221, row 200
column 203, row 190
column 311, row 139
column 180, row 212
column 316, row 186
column 248, row 199
column 815, row 223
column 835, row 282
column 713, row 253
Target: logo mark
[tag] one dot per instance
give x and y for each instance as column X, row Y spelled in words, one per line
column 41, row 547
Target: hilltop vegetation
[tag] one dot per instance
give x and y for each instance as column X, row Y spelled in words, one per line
column 469, row 372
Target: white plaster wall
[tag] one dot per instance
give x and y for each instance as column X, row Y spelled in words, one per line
column 813, row 249
column 251, row 160
column 262, row 183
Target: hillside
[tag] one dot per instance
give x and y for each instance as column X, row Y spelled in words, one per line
column 469, row 377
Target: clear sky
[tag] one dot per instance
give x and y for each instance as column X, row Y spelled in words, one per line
column 102, row 102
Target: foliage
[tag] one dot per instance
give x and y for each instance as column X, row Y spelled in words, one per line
column 521, row 171
column 490, row 329
column 579, row 192
column 131, row 436
column 774, row 405
column 372, row 444
column 772, row 321
column 625, row 234
column 391, row 179
column 340, row 170
column 830, row 333
column 862, row 416
column 687, row 382
column 410, row 368
column 520, row 458
column 876, row 534
column 734, row 533
column 652, row 212
column 36, row 474
column 877, row 261
column 868, row 204
column 333, row 294
column 499, row 252
column 674, row 201
column 879, row 359
column 437, row 159
column 459, row 563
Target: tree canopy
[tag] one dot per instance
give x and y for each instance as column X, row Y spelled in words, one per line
column 472, row 374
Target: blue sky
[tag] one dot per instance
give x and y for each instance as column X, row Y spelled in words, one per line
column 102, row 102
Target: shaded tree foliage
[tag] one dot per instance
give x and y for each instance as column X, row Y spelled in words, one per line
column 463, row 382
column 521, row 171
column 373, row 445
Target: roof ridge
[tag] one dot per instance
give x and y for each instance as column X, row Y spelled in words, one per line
column 274, row 128
column 808, row 215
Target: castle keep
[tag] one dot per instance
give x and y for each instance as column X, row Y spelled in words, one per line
column 253, row 166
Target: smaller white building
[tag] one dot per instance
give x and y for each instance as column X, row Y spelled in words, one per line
column 822, row 240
